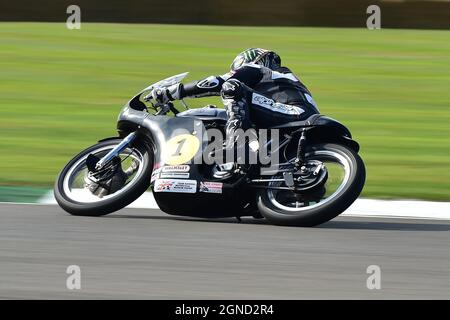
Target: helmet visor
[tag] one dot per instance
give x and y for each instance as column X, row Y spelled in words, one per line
column 237, row 62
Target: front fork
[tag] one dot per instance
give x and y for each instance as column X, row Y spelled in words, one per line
column 115, row 151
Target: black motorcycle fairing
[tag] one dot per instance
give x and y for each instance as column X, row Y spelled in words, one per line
column 231, row 202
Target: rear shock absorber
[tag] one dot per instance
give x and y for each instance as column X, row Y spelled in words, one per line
column 300, row 159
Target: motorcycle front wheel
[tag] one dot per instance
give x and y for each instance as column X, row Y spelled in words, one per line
column 83, row 193
column 345, row 180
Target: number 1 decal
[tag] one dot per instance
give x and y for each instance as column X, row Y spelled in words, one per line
column 180, row 149
column 180, row 146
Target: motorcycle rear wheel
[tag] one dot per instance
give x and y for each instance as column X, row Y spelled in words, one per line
column 324, row 209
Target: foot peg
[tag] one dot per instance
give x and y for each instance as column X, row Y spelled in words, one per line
column 229, row 166
column 225, row 170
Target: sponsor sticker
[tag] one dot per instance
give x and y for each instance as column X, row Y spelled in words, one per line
column 174, row 185
column 208, row 83
column 211, row 187
column 275, row 106
column 180, row 175
column 178, row 168
column 155, row 174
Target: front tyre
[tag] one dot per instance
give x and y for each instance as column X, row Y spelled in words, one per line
column 128, row 179
column 346, row 177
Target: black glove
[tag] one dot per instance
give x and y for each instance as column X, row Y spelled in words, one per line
column 160, row 95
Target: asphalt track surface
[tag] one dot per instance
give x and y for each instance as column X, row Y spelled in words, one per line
column 146, row 254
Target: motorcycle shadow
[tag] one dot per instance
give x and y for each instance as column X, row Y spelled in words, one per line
column 349, row 223
column 412, row 225
column 231, row 220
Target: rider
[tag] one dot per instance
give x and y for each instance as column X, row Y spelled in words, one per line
column 257, row 90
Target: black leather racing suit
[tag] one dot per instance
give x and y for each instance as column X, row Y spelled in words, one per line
column 254, row 94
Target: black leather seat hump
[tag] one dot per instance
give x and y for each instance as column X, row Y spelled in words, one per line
column 309, row 122
column 316, row 120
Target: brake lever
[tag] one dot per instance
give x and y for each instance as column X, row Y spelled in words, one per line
column 163, row 109
column 149, row 99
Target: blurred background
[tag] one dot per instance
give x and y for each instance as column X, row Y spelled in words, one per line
column 61, row 89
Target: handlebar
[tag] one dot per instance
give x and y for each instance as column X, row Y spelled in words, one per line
column 165, row 108
column 161, row 108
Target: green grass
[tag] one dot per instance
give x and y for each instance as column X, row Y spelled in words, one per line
column 61, row 90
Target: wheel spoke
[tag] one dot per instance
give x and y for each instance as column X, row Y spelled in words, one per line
column 81, row 187
column 337, row 169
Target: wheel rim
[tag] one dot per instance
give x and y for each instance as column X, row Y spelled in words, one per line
column 74, row 180
column 333, row 189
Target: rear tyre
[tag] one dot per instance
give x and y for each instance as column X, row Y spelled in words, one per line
column 323, row 210
column 79, row 201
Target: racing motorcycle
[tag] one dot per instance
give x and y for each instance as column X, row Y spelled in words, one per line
column 318, row 175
